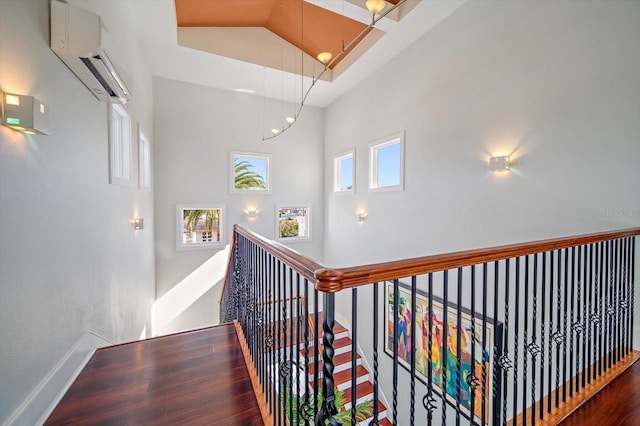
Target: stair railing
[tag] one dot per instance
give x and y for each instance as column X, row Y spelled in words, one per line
column 517, row 334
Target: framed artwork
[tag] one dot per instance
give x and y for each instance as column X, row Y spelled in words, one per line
column 482, row 351
column 293, row 223
column 250, row 172
column 199, row 226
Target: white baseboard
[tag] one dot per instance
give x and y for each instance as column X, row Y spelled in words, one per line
column 40, row 403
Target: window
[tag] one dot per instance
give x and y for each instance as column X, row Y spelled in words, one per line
column 250, row 172
column 199, row 226
column 386, row 164
column 120, row 146
column 344, row 172
column 293, row 223
column 144, row 161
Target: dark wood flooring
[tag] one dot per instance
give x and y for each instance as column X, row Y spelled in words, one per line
column 195, row 378
column 618, row 404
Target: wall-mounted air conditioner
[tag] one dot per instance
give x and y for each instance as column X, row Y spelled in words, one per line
column 78, row 38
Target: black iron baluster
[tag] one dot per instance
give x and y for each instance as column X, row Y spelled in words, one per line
column 571, row 330
column 591, row 360
column 412, row 350
column 428, row 401
column 316, row 346
column 396, row 338
column 525, row 343
column 599, row 301
column 617, row 298
column 485, row 350
column 497, row 356
column 298, row 326
column 516, row 334
column 459, row 347
column 328, row 408
column 376, row 307
column 505, row 362
column 270, row 338
column 632, row 267
column 473, row 380
column 282, row 328
column 557, row 335
column 624, row 304
column 551, row 332
column 564, row 324
column 534, row 349
column 293, row 368
column 543, row 326
column 354, row 352
column 309, row 404
column 443, row 356
column 583, row 320
column 609, row 303
column 576, row 318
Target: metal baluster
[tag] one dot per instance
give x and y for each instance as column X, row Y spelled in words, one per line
column 617, row 299
column 292, row 367
column 632, row 287
column 428, row 401
column 609, row 303
column 625, row 297
column 570, row 330
column 534, row 349
column 396, row 337
column 298, row 326
column 577, row 324
column 412, row 351
column 354, row 352
column 505, row 362
column 601, row 313
column 328, row 408
column 564, row 325
column 459, row 347
column 375, row 352
column 551, row 327
column 282, row 328
column 516, row 334
column 543, row 326
column 525, row 336
column 557, row 335
column 443, row 354
column 309, row 405
column 583, row 251
column 316, row 346
column 497, row 356
column 485, row 350
column 473, row 381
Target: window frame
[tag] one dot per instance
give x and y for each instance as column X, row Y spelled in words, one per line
column 308, row 223
column 374, row 149
column 337, row 171
column 181, row 245
column 267, row 179
column 120, row 131
column 144, row 161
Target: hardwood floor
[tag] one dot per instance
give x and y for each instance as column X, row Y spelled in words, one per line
column 615, row 405
column 194, row 378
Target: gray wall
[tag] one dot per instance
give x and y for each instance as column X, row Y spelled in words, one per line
column 70, row 261
column 555, row 84
column 196, row 127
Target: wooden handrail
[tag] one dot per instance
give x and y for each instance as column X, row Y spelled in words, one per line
column 331, row 280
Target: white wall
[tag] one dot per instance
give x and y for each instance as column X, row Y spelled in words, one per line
column 196, row 128
column 70, row 263
column 555, row 84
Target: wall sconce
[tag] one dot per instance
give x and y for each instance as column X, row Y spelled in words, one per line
column 252, row 214
column 25, row 114
column 362, row 216
column 138, row 223
column 499, row 163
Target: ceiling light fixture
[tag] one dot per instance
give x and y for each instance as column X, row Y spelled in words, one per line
column 290, row 120
column 324, row 57
column 375, row 7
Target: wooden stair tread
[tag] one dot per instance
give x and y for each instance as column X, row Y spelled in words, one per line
column 337, row 360
column 362, row 389
column 345, row 375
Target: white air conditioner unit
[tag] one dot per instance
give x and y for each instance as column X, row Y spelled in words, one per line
column 78, row 38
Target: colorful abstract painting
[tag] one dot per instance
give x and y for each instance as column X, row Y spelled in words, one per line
column 475, row 354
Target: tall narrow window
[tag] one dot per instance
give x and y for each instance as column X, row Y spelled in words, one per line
column 120, row 147
column 386, row 164
column 144, row 161
column 344, row 172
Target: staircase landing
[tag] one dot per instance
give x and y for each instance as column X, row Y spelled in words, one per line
column 195, row 378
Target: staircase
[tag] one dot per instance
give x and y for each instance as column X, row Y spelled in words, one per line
column 342, row 346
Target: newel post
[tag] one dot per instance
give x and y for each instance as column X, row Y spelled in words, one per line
column 328, row 408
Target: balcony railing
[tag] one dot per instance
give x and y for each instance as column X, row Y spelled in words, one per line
column 518, row 334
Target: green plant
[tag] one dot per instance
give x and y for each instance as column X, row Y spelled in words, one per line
column 290, row 404
column 289, row 228
column 245, row 178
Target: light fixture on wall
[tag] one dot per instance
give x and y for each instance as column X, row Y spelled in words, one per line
column 362, row 216
column 138, row 223
column 25, row 114
column 252, row 214
column 500, row 163
column 378, row 10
